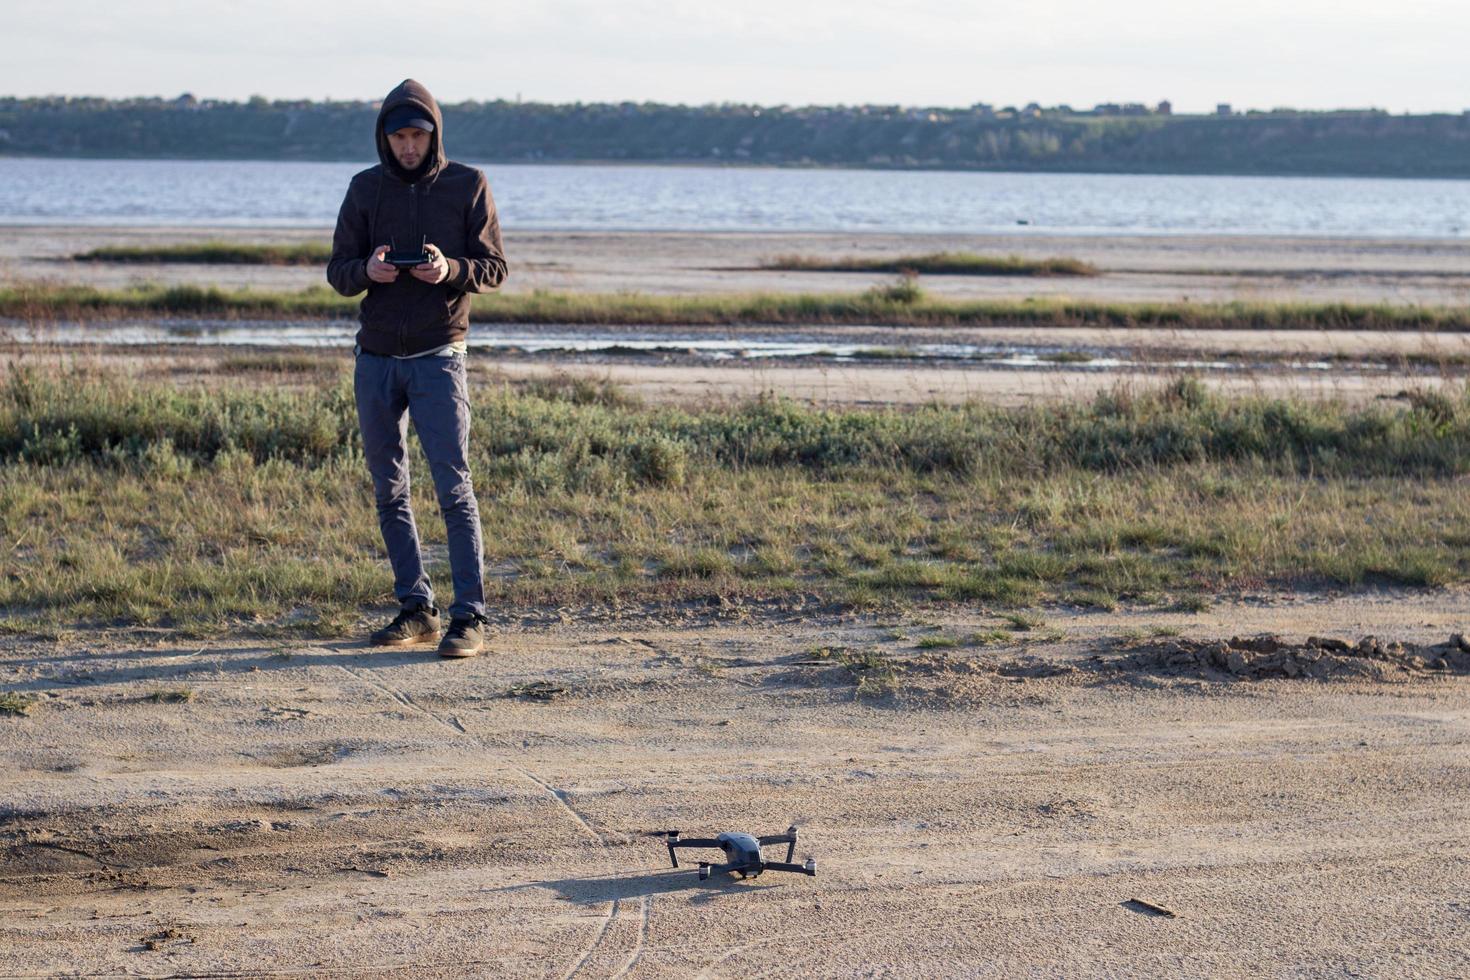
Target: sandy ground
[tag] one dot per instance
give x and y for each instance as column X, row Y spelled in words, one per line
column 324, row 809
column 855, row 385
column 1135, row 268
column 327, row 809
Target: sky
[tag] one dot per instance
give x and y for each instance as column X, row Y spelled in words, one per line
column 1311, row 54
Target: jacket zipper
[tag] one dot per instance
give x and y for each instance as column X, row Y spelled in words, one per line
column 413, row 226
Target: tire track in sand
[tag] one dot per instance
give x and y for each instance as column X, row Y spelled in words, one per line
column 641, row 942
column 560, row 796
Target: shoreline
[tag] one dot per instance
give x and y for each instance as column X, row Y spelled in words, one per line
column 1191, row 268
column 1017, row 232
column 674, row 267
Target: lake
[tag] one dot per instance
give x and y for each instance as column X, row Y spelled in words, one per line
column 673, row 198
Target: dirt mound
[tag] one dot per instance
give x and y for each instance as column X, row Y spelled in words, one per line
column 1319, row 658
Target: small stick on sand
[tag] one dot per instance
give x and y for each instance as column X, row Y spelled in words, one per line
column 1151, row 907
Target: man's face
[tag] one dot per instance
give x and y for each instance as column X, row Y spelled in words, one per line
column 410, row 145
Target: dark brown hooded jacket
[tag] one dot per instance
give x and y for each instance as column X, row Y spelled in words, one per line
column 444, row 202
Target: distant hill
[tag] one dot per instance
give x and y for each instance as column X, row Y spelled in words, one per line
column 1352, row 143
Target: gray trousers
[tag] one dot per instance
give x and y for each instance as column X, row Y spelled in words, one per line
column 432, row 391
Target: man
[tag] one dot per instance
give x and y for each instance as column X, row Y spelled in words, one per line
column 411, row 349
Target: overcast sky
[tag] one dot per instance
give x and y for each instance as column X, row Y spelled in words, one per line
column 1405, row 56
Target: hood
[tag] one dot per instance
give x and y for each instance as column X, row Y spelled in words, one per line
column 410, row 92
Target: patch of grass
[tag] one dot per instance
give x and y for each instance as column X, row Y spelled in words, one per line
column 173, row 695
column 580, row 390
column 938, row 643
column 275, row 363
column 874, row 674
column 988, row 638
column 888, row 354
column 246, row 507
column 1095, row 599
column 10, row 626
column 38, row 629
column 938, row 264
column 903, row 291
column 214, row 253
column 1022, row 622
column 14, row 703
column 901, row 304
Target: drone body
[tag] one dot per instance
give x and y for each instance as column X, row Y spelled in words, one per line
column 742, row 854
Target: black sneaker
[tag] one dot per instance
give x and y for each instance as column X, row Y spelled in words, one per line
column 464, row 638
column 419, row 624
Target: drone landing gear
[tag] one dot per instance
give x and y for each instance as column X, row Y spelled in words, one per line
column 742, row 854
column 745, row 871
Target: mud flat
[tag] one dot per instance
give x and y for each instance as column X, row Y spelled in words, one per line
column 1353, row 366
column 854, row 384
column 246, row 808
column 1135, row 268
column 1373, row 370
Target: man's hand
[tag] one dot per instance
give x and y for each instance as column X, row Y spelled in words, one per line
column 377, row 269
column 434, row 270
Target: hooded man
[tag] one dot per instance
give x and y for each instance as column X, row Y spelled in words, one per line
column 419, row 233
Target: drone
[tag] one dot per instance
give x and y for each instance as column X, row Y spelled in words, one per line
column 742, row 853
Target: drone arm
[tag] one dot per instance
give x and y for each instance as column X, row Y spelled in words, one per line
column 675, row 841
column 809, row 868
column 788, row 838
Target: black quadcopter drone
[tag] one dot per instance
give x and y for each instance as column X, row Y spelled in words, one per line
column 742, row 853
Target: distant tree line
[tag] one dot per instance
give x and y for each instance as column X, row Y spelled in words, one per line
column 1359, row 143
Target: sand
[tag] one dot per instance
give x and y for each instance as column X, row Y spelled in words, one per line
column 286, row 808
column 844, row 385
column 326, row 809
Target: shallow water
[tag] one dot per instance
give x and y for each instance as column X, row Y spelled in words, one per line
column 510, row 339
column 671, row 198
